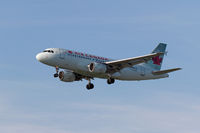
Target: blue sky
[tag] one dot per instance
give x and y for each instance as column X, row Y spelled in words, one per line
column 31, row 100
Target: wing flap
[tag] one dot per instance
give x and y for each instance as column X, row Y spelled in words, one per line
column 165, row 71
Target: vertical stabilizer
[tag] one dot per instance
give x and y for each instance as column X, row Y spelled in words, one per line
column 156, row 62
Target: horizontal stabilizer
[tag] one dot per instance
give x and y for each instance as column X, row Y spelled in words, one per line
column 165, row 71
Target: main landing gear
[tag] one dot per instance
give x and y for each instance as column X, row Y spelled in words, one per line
column 89, row 86
column 56, row 74
column 111, row 81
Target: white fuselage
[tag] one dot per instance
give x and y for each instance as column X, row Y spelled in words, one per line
column 78, row 63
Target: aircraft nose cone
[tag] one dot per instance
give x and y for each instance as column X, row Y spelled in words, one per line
column 40, row 57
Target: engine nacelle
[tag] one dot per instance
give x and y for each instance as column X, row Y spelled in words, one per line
column 67, row 76
column 97, row 67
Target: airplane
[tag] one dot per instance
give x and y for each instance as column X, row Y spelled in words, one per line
column 78, row 66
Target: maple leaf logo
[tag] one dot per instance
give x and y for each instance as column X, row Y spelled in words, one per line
column 157, row 60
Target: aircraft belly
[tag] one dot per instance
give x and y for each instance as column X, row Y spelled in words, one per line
column 127, row 74
column 90, row 74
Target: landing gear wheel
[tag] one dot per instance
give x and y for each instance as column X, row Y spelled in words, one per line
column 108, row 82
column 111, row 81
column 55, row 75
column 89, row 86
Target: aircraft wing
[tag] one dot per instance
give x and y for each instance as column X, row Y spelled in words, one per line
column 120, row 64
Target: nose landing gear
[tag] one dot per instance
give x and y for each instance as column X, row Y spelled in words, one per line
column 56, row 74
column 89, row 86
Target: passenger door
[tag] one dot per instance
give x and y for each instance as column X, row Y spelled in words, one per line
column 62, row 54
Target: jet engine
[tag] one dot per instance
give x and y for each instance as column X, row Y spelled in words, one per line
column 68, row 76
column 97, row 67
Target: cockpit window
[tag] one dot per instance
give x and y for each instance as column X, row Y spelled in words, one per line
column 49, row 51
